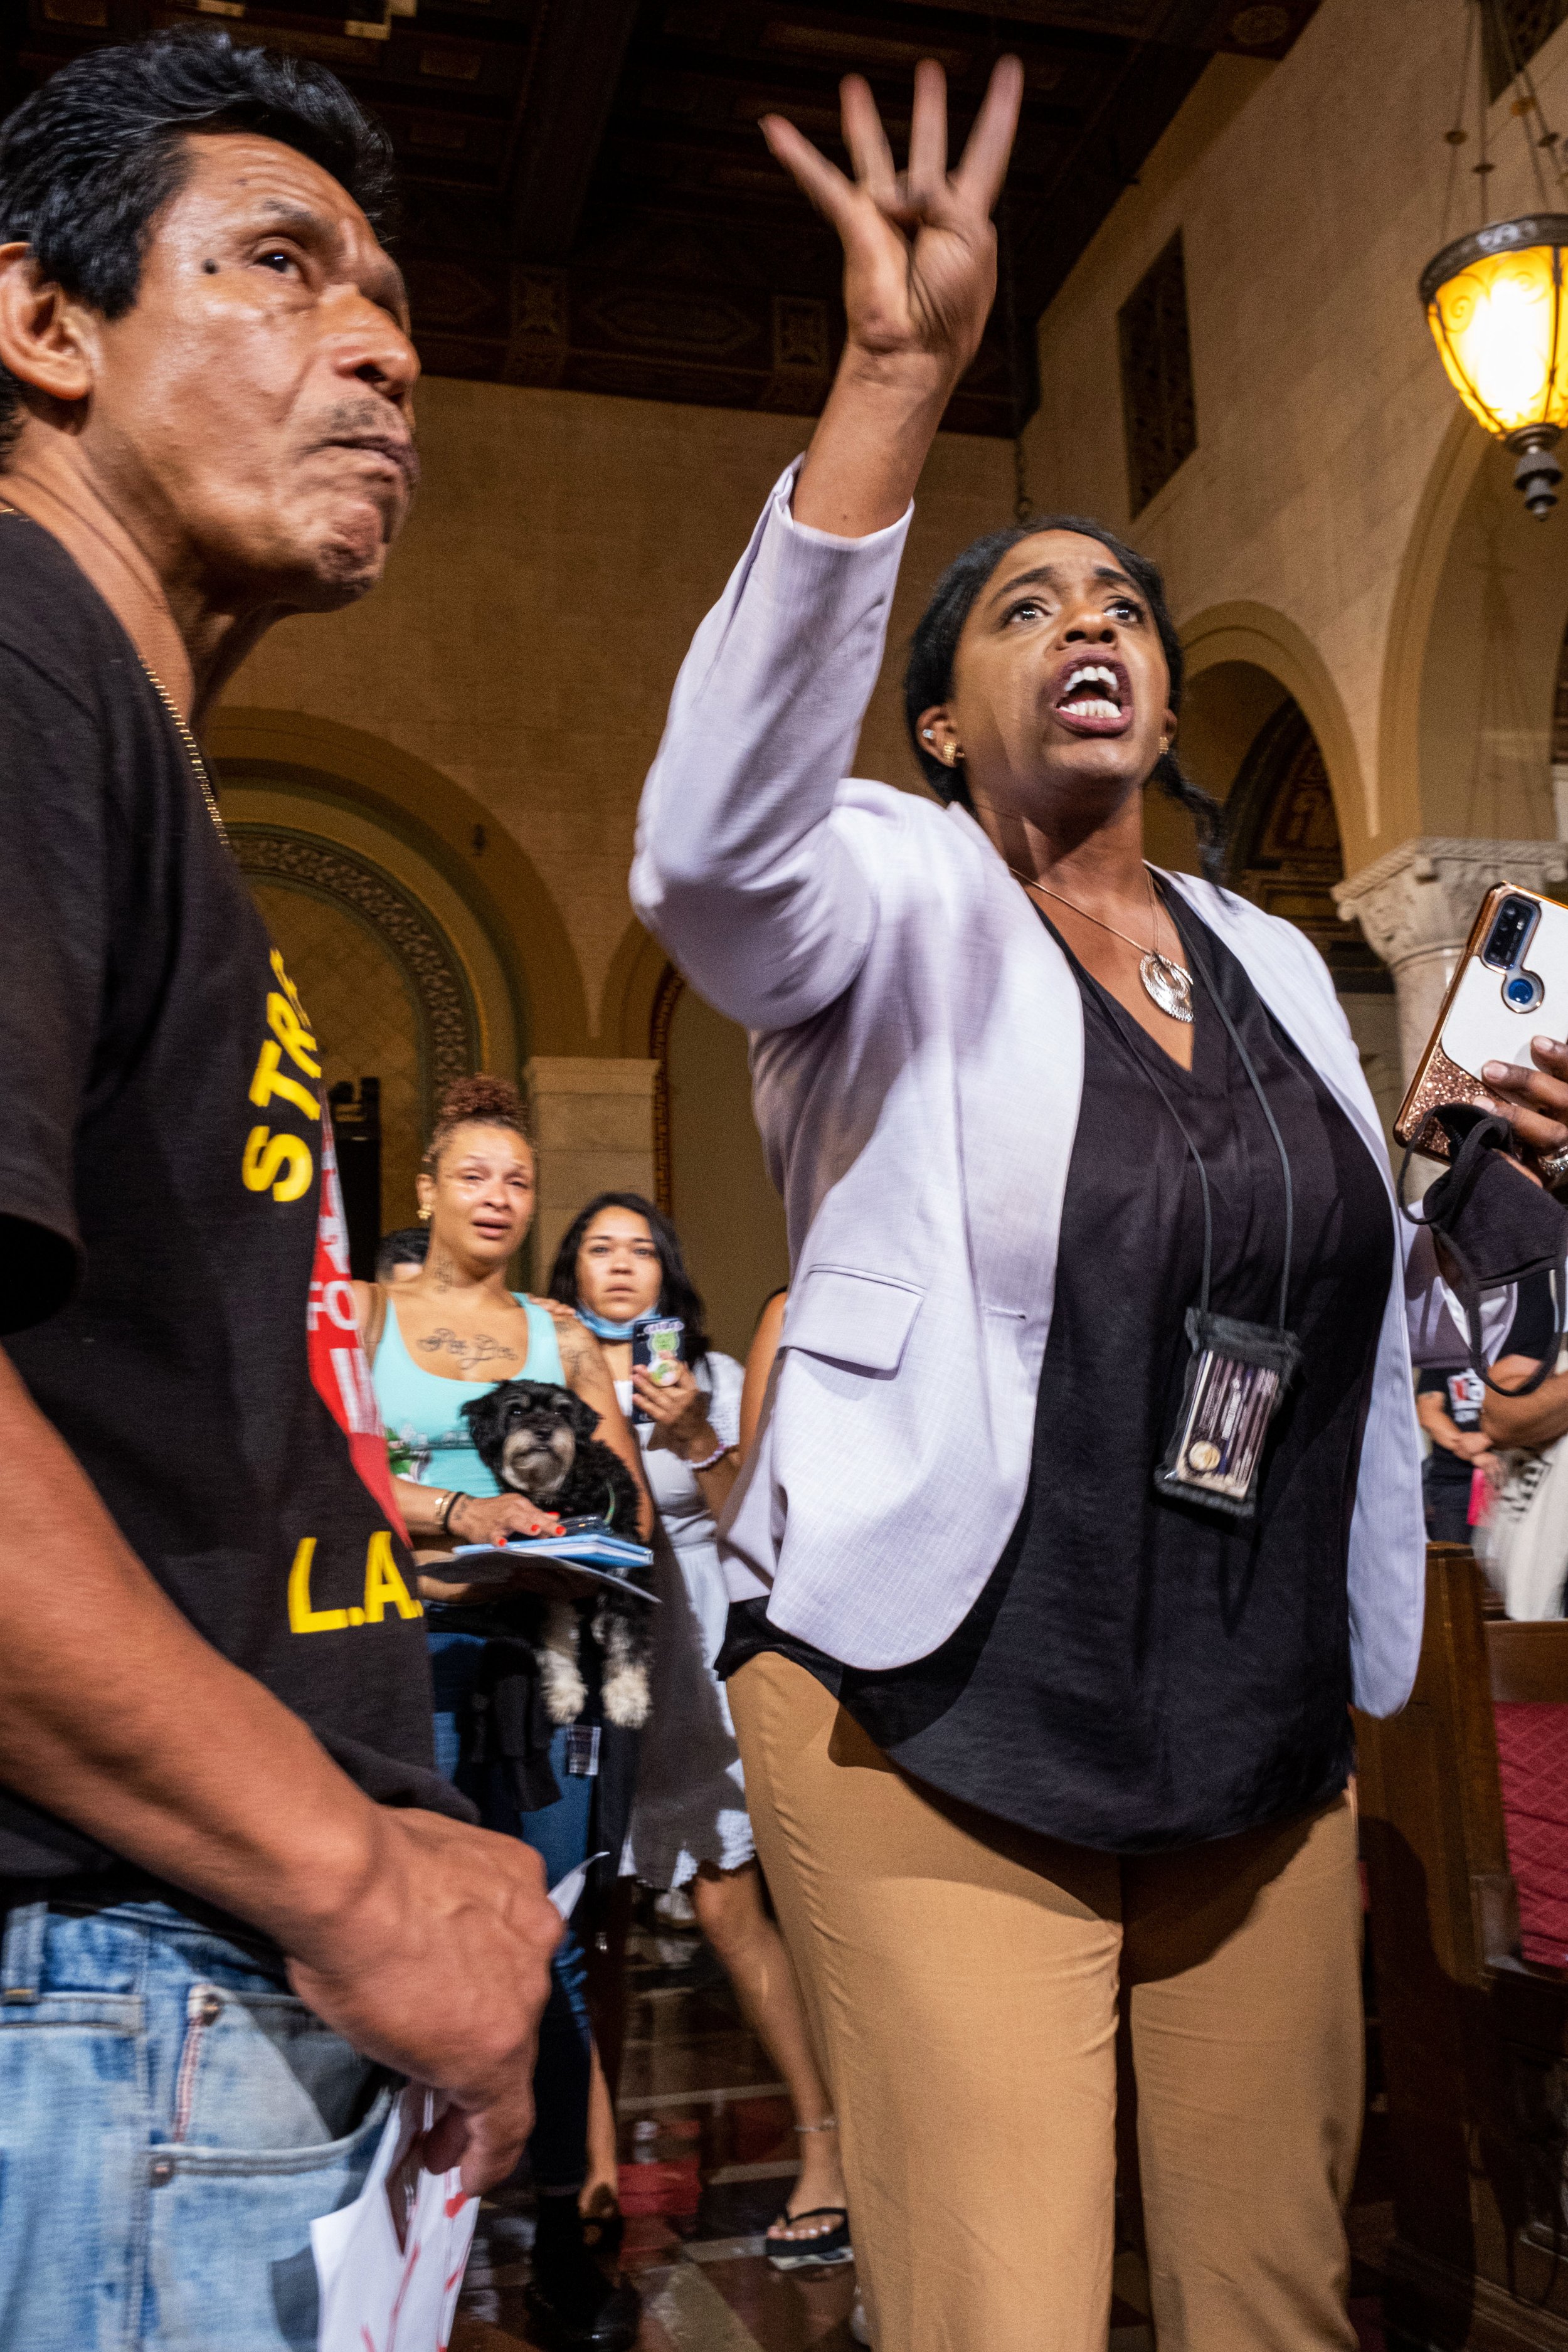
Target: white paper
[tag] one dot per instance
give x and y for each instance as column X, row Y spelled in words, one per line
column 376, row 2295
column 566, row 1890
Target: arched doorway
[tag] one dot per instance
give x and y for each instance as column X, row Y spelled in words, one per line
column 380, row 980
column 1490, row 670
column 1283, row 850
column 1246, row 739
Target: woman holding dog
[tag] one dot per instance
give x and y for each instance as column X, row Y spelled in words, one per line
column 1041, row 1671
column 435, row 1343
column 619, row 1264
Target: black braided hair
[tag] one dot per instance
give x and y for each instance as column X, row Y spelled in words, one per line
column 928, row 678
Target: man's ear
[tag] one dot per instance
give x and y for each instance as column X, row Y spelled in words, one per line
column 46, row 339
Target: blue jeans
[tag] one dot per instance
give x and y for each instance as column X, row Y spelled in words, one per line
column 172, row 2120
column 558, row 2151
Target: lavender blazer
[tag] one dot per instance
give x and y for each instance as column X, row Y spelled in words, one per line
column 917, row 1059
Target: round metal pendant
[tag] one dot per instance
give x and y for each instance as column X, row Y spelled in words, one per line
column 1170, row 986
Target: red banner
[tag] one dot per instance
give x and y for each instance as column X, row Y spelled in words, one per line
column 339, row 1368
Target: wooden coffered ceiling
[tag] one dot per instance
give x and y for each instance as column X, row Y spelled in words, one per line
column 589, row 202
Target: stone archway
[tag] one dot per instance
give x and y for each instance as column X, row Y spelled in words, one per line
column 1471, row 679
column 406, row 931
column 381, row 982
column 1284, row 851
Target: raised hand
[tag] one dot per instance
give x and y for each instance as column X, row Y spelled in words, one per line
column 919, row 275
column 920, row 252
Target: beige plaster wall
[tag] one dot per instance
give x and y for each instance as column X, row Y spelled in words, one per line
column 730, row 1218
column 1309, row 195
column 525, row 641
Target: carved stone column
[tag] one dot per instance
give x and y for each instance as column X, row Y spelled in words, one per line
column 593, row 1120
column 1415, row 906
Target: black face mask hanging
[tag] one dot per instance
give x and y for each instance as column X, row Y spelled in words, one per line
column 1493, row 1226
column 1238, row 1372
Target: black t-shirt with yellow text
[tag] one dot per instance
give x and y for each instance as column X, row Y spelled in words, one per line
column 172, row 1276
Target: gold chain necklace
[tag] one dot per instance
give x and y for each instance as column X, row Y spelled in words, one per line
column 194, row 750
column 198, row 765
column 1166, row 983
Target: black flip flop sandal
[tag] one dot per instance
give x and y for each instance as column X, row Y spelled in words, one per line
column 824, row 2252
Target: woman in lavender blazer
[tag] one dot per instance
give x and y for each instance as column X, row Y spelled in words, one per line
column 1046, row 1729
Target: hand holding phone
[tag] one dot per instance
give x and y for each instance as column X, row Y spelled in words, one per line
column 1495, row 1039
column 656, row 1350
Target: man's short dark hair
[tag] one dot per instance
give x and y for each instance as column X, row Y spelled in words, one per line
column 409, row 1245
column 88, row 161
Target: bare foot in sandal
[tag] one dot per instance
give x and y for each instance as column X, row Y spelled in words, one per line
column 813, row 2230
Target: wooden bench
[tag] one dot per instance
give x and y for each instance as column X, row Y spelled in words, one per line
column 1474, row 2034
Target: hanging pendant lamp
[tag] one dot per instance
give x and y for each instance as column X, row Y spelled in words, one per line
column 1495, row 303
column 1497, row 300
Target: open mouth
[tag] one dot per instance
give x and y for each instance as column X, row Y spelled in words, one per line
column 1095, row 698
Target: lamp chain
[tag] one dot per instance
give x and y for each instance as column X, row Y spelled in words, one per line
column 1484, row 17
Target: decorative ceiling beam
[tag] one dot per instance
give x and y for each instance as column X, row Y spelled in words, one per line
column 576, row 73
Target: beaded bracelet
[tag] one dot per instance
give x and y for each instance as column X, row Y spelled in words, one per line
column 711, row 1461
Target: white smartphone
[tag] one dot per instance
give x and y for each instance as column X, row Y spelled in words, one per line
column 1511, row 985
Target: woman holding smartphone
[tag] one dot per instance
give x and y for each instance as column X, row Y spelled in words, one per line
column 620, row 1266
column 1088, row 1488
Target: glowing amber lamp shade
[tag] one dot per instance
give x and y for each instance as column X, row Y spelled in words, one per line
column 1495, row 303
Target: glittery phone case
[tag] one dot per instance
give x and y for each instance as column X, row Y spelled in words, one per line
column 1480, row 1030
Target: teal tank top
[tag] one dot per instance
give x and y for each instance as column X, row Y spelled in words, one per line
column 424, row 1411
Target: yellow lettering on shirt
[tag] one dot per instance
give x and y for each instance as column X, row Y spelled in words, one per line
column 302, row 1618
column 281, row 1164
column 272, row 1079
column 383, row 1582
column 291, row 1033
column 286, row 985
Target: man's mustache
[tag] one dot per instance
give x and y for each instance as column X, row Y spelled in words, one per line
column 369, row 424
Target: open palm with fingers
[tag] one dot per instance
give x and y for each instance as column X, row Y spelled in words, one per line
column 920, row 252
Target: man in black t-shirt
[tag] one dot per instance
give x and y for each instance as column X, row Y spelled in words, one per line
column 229, row 1872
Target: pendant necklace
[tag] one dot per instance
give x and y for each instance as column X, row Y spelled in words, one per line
column 1166, row 983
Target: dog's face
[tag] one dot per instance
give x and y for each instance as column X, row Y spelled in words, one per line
column 526, row 1432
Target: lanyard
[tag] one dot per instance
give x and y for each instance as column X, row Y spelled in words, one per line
column 1201, row 967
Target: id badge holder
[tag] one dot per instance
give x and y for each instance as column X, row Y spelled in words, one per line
column 1236, row 1383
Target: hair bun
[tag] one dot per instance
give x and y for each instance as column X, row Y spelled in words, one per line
column 481, row 1097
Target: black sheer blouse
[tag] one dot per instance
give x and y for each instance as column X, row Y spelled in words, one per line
column 1140, row 1672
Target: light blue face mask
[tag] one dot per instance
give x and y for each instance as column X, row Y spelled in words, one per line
column 603, row 1329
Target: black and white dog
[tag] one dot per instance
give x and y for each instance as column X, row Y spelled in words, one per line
column 538, row 1440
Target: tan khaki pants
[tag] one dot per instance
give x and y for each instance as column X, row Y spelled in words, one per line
column 965, row 1980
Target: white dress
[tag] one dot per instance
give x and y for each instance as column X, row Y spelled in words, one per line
column 691, row 1800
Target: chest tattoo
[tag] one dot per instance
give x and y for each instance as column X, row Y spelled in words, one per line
column 472, row 1354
